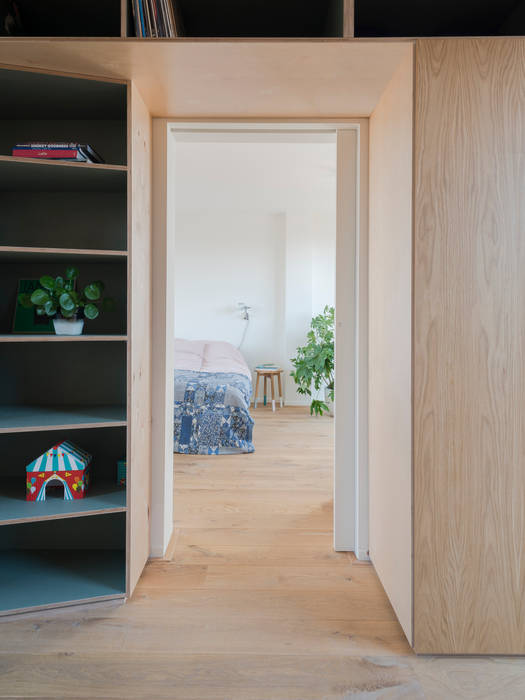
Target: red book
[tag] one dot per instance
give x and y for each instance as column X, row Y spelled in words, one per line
column 60, row 153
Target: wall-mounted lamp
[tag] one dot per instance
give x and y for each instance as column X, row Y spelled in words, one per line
column 244, row 308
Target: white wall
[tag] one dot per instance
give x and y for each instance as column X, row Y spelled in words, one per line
column 261, row 231
column 280, row 265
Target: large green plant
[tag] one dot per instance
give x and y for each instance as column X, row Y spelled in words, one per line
column 314, row 362
column 57, row 296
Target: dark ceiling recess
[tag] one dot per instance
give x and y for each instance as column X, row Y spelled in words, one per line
column 413, row 18
column 261, row 18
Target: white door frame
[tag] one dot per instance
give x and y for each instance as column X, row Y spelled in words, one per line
column 351, row 415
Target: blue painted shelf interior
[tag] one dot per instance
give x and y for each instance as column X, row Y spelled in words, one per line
column 101, row 497
column 31, row 578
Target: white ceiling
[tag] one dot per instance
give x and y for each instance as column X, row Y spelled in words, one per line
column 260, row 175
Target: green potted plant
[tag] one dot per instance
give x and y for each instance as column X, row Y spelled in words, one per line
column 58, row 299
column 314, row 362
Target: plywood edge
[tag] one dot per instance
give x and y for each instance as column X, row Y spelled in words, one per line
column 20, row 613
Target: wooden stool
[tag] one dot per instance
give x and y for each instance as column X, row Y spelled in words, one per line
column 268, row 376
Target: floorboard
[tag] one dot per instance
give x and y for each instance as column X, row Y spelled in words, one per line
column 250, row 602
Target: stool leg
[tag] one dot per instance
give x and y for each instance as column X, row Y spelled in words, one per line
column 256, row 393
column 265, row 388
column 273, row 392
column 280, row 388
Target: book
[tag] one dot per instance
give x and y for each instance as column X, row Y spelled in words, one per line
column 61, row 151
column 155, row 18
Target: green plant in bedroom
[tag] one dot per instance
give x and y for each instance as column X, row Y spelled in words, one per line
column 314, row 362
column 59, row 299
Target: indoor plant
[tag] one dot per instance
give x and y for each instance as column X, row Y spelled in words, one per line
column 314, row 362
column 58, row 299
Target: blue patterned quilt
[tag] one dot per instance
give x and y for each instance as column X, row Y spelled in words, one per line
column 212, row 413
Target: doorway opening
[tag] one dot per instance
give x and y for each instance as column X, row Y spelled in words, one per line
column 272, row 259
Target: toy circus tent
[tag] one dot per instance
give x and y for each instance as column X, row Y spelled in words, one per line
column 63, row 464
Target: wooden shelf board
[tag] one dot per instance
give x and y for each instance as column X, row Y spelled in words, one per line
column 102, row 498
column 14, row 338
column 18, row 419
column 64, row 163
column 39, row 578
column 14, row 253
column 41, row 175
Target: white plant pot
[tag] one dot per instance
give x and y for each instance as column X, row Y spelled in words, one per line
column 329, row 403
column 68, row 326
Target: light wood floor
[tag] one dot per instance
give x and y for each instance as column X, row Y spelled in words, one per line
column 251, row 602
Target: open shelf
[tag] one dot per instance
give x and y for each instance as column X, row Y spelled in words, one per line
column 16, row 419
column 261, row 18
column 47, row 563
column 98, row 18
column 45, row 107
column 405, row 18
column 15, row 338
column 112, row 270
column 31, row 579
column 101, row 498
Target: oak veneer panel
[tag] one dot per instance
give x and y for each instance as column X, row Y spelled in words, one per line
column 390, row 317
column 230, row 79
column 469, row 343
column 139, row 323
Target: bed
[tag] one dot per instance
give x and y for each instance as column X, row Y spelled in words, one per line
column 213, row 387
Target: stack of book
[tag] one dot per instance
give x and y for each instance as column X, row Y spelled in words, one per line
column 155, row 18
column 58, row 151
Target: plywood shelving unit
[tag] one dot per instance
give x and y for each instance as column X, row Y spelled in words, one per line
column 196, row 18
column 56, row 214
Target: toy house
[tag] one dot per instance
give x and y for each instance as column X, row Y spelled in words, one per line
column 64, row 465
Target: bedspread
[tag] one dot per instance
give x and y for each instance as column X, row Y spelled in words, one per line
column 212, row 413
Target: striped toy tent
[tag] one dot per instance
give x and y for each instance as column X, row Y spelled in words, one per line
column 63, row 464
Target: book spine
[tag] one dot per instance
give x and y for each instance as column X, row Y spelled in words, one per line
column 142, row 18
column 136, row 16
column 169, row 28
column 155, row 15
column 163, row 29
column 147, row 16
column 59, row 153
column 46, row 145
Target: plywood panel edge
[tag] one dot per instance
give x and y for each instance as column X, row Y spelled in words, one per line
column 390, row 337
column 139, row 331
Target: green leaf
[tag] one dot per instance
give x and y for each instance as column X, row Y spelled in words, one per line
column 67, row 314
column 318, row 407
column 71, row 273
column 92, row 291
column 50, row 308
column 59, row 282
column 47, row 282
column 25, row 301
column 90, row 311
column 40, row 311
column 66, row 302
column 39, row 297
